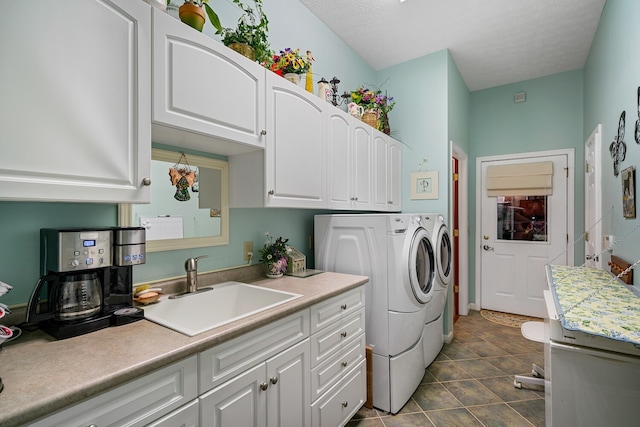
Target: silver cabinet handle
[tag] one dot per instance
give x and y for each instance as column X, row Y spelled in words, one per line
column 274, row 380
column 344, row 364
column 345, row 404
column 343, row 306
column 272, row 192
column 264, row 386
column 263, row 132
column 146, row 182
column 344, row 334
column 487, row 248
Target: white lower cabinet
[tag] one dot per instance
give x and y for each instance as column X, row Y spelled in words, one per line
column 136, row 403
column 338, row 375
column 273, row 393
column 304, row 370
column 186, row 416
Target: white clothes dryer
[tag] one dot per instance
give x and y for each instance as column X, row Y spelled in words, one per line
column 396, row 253
column 433, row 334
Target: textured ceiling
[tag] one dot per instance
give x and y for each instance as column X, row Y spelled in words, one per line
column 493, row 42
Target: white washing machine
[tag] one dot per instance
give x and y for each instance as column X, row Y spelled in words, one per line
column 395, row 252
column 433, row 334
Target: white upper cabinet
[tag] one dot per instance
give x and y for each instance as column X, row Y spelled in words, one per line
column 294, row 156
column 340, row 160
column 362, row 154
column 75, row 101
column 205, row 95
column 387, row 153
column 394, row 175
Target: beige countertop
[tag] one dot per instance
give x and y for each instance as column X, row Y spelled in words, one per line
column 42, row 375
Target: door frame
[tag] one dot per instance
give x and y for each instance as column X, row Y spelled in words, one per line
column 463, row 231
column 570, row 153
column 596, row 232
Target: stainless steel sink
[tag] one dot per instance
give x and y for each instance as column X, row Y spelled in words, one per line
column 224, row 303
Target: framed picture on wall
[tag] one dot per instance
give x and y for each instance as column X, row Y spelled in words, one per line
column 629, row 192
column 424, row 185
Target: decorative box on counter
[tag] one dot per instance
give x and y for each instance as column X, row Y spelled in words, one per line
column 296, row 261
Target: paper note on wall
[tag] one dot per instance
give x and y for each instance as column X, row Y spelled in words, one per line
column 162, row 227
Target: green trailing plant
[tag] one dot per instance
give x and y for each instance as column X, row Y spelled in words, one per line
column 252, row 29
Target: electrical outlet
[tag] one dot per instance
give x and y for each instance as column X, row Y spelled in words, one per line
column 248, row 247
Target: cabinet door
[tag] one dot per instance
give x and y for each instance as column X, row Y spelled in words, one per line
column 75, row 105
column 339, row 160
column 241, row 401
column 380, row 171
column 205, row 95
column 294, row 155
column 362, row 156
column 394, row 175
column 288, row 400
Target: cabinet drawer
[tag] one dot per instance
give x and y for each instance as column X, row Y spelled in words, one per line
column 327, row 312
column 340, row 403
column 330, row 340
column 136, row 403
column 223, row 361
column 325, row 375
column 187, row 416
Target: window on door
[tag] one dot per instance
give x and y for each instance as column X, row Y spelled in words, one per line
column 522, row 218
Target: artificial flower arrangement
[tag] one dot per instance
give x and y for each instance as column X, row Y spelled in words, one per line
column 377, row 102
column 274, row 254
column 290, row 61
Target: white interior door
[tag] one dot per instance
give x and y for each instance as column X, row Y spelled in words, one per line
column 519, row 235
column 593, row 199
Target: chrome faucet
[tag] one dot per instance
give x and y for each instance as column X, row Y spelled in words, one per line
column 191, row 266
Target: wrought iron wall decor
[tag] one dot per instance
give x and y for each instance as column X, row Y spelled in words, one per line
column 638, row 121
column 618, row 149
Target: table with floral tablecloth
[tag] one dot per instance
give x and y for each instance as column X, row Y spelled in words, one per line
column 593, row 301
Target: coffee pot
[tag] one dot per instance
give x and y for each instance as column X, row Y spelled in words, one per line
column 78, row 296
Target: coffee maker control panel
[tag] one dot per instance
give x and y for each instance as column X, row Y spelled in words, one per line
column 75, row 249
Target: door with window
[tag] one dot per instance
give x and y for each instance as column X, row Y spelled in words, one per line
column 524, row 225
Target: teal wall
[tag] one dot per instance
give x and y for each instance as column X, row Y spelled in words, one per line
column 550, row 119
column 419, row 120
column 611, row 80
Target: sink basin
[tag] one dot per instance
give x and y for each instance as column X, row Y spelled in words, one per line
column 221, row 304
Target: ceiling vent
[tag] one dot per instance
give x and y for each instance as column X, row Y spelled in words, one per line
column 519, row 97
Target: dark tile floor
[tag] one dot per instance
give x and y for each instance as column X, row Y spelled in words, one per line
column 471, row 382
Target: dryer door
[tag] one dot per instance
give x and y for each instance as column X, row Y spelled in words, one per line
column 421, row 265
column 443, row 255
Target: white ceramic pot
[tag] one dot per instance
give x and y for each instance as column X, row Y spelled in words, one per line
column 293, row 78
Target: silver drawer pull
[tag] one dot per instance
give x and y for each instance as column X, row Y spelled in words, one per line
column 344, row 364
column 274, row 380
column 343, row 306
column 345, row 404
column 343, row 334
column 264, row 386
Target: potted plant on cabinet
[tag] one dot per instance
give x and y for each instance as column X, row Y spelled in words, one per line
column 192, row 13
column 250, row 35
column 290, row 64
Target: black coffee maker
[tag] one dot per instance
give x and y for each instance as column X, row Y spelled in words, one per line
column 86, row 281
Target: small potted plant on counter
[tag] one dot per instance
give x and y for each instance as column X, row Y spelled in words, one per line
column 250, row 35
column 192, row 13
column 274, row 255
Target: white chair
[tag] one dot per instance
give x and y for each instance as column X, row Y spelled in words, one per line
column 533, row 331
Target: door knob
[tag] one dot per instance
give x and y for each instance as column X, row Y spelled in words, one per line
column 485, row 237
column 487, row 248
